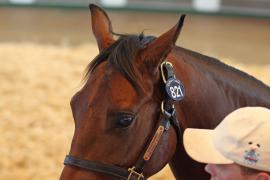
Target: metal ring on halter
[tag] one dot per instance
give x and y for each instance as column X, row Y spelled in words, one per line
column 162, row 71
column 164, row 111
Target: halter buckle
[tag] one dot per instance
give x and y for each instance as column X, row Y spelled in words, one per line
column 133, row 172
column 166, row 112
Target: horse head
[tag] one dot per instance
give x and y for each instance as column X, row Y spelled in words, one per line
column 118, row 108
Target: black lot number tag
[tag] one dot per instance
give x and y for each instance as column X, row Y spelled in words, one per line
column 175, row 89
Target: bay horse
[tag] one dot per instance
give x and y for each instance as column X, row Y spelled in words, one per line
column 118, row 108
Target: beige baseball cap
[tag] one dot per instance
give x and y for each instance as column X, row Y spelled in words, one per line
column 243, row 137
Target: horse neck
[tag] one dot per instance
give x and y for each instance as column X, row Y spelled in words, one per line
column 213, row 89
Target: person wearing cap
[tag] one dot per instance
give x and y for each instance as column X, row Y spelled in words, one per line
column 237, row 149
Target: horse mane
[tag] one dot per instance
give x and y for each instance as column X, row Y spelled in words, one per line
column 217, row 63
column 122, row 52
column 121, row 55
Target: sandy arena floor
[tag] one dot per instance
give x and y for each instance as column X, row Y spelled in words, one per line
column 36, row 126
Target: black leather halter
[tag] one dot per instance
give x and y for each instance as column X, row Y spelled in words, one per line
column 166, row 119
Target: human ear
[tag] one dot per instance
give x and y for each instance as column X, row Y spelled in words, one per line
column 262, row 176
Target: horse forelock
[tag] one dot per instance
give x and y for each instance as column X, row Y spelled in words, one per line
column 121, row 55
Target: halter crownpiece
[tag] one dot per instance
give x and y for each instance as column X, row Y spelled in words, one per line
column 174, row 92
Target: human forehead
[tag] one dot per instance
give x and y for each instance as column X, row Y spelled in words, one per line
column 227, row 167
column 227, row 172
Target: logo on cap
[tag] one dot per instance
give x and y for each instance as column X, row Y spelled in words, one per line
column 251, row 156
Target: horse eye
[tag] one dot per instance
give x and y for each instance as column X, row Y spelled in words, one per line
column 124, row 121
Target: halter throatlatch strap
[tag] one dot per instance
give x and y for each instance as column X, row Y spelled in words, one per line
column 174, row 92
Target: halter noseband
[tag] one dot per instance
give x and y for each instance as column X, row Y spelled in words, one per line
column 174, row 92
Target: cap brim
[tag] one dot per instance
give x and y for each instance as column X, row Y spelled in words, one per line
column 200, row 147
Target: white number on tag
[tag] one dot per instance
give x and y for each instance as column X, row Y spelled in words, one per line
column 176, row 91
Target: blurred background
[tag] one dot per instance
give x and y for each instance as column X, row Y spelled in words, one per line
column 45, row 45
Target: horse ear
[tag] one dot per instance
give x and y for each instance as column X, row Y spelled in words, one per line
column 158, row 49
column 101, row 27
